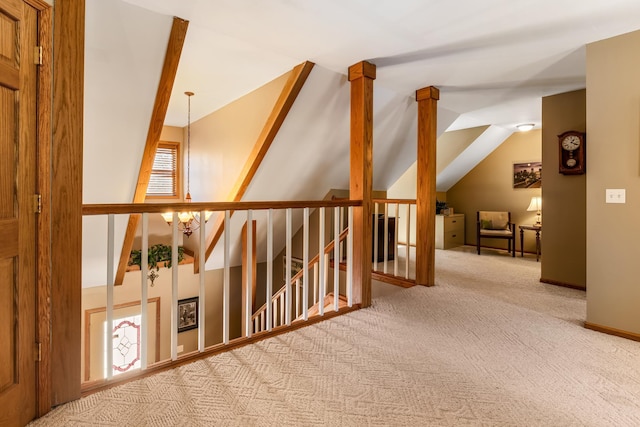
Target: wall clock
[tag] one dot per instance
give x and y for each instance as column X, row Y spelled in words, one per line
column 571, row 160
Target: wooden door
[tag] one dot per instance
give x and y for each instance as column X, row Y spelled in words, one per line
column 18, row 140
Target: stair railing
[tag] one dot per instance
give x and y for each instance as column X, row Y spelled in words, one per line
column 278, row 300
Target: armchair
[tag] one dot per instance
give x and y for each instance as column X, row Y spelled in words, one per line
column 496, row 225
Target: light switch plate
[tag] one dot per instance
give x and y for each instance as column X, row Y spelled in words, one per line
column 616, row 195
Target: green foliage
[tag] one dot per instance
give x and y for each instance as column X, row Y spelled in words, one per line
column 440, row 205
column 159, row 255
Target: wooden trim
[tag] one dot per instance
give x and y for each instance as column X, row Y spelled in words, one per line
column 393, row 201
column 278, row 114
column 361, row 76
column 90, row 388
column 165, row 86
column 43, row 244
column 172, row 145
column 392, row 280
column 87, row 335
column 66, row 200
column 612, row 331
column 563, row 284
column 427, row 99
column 138, row 208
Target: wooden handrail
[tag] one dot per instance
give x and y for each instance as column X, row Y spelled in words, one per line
column 138, row 208
column 400, row 201
column 300, row 273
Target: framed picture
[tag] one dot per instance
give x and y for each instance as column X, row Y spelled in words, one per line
column 296, row 266
column 187, row 314
column 527, row 175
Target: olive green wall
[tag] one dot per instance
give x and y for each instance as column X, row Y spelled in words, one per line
column 489, row 186
column 563, row 196
column 613, row 150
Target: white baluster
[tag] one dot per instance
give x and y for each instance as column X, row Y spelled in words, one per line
column 321, row 260
column 282, row 306
column 202, row 307
column 408, row 237
column 350, row 259
column 269, row 266
column 336, row 259
column 248, row 309
column 395, row 259
column 110, row 282
column 386, row 238
column 288, row 263
column 305, row 263
column 174, row 288
column 227, row 278
column 144, row 271
column 375, row 238
column 297, row 298
column 316, row 276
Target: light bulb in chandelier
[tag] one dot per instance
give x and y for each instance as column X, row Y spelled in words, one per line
column 189, row 221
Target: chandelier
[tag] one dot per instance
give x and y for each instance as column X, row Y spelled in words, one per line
column 188, row 222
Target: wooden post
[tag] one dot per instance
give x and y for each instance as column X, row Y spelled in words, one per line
column 361, row 76
column 427, row 99
column 249, row 256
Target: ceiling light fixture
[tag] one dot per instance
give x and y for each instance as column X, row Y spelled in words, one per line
column 525, row 127
column 188, row 222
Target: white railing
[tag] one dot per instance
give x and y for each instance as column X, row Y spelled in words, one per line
column 161, row 326
column 394, row 238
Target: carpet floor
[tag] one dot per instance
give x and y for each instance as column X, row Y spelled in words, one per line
column 488, row 346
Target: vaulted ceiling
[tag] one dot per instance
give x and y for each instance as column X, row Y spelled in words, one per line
column 492, row 60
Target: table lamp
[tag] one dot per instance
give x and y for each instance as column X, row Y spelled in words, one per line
column 536, row 206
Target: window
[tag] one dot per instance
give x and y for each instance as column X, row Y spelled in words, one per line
column 165, row 173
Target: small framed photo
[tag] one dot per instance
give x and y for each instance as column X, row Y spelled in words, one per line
column 187, row 314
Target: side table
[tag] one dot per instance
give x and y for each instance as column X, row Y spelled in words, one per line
column 538, row 230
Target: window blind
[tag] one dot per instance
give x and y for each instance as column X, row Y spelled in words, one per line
column 164, row 174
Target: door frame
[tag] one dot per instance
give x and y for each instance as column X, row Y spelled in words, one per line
column 43, row 220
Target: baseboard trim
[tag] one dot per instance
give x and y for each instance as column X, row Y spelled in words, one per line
column 563, row 284
column 392, row 280
column 612, row 331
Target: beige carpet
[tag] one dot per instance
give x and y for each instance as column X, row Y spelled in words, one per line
column 489, row 345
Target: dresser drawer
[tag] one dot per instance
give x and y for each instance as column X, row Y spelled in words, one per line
column 453, row 239
column 454, row 223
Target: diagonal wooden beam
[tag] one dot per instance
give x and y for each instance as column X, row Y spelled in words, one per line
column 283, row 105
column 168, row 76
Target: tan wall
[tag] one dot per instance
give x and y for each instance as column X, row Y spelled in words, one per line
column 613, row 161
column 489, row 186
column 95, row 297
column 563, row 196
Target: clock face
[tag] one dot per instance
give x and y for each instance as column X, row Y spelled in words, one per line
column 571, row 143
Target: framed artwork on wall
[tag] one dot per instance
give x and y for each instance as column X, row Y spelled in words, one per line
column 187, row 314
column 296, row 266
column 527, row 175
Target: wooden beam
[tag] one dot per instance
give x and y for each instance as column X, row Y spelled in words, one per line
column 280, row 110
column 427, row 99
column 163, row 94
column 361, row 76
column 66, row 199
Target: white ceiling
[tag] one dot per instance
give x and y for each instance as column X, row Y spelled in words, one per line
column 492, row 60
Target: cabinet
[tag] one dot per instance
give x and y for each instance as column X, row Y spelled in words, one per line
column 391, row 237
column 449, row 231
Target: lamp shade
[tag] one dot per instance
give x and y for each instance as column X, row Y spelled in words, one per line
column 535, row 205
